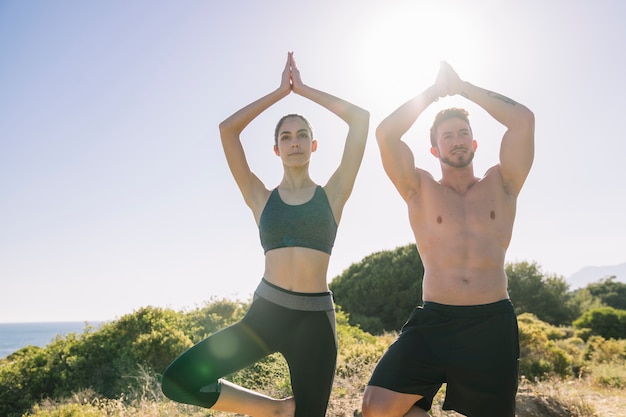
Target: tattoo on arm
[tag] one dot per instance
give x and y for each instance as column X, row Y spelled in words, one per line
column 501, row 97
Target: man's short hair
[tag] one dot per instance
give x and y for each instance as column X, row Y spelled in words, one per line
column 446, row 114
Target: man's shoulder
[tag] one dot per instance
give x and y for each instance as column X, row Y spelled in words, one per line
column 424, row 175
column 492, row 185
column 493, row 176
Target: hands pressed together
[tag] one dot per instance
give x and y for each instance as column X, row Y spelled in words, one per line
column 291, row 80
column 448, row 82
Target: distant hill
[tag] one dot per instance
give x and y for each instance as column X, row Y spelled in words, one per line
column 590, row 274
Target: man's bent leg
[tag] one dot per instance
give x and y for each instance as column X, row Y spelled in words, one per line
column 382, row 402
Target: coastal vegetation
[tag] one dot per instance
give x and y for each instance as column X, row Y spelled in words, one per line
column 573, row 349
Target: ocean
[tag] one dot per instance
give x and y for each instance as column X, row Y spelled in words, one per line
column 14, row 336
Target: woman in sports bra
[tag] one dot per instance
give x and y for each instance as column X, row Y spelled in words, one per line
column 292, row 311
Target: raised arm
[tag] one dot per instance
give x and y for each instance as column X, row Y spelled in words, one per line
column 340, row 184
column 252, row 189
column 396, row 155
column 517, row 148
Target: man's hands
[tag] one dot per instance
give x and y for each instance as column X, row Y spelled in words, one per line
column 448, row 82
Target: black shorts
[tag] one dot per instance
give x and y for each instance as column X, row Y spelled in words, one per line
column 473, row 349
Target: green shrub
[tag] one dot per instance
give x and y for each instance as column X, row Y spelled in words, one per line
column 65, row 410
column 107, row 360
column 381, row 290
column 600, row 350
column 609, row 374
column 540, row 354
column 116, row 369
column 607, row 322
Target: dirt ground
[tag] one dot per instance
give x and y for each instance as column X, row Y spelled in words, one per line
column 545, row 399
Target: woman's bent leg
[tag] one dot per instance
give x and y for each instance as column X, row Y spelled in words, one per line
column 236, row 399
column 193, row 378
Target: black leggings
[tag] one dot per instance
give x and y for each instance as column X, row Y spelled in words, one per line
column 301, row 326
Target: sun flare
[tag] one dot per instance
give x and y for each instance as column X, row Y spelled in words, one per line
column 412, row 37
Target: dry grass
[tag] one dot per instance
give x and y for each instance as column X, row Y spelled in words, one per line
column 599, row 394
column 572, row 397
column 554, row 398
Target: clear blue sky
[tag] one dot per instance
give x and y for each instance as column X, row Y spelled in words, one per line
column 114, row 191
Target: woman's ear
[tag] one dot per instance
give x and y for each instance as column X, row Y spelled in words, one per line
column 276, row 150
column 314, row 145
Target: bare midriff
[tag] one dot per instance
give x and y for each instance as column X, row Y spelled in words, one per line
column 297, row 269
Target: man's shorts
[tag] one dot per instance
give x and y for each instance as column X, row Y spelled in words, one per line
column 473, row 349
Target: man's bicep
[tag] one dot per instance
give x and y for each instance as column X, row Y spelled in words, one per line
column 399, row 166
column 516, row 158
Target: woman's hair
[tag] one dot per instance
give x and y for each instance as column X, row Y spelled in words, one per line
column 282, row 119
column 446, row 114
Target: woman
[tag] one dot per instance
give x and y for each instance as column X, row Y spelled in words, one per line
column 292, row 310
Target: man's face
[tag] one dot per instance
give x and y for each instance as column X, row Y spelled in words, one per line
column 455, row 144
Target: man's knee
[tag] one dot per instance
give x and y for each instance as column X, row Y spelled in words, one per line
column 381, row 402
column 374, row 405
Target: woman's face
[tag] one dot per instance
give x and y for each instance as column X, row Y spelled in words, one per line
column 295, row 143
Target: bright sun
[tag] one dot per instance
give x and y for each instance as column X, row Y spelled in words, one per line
column 411, row 38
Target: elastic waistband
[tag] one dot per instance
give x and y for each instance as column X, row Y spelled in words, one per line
column 318, row 301
column 471, row 310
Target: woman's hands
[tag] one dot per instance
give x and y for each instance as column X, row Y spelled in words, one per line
column 296, row 79
column 291, row 79
column 285, row 81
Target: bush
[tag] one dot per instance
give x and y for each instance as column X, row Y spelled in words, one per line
column 109, row 360
column 114, row 370
column 600, row 350
column 544, row 296
column 359, row 351
column 540, row 355
column 381, row 291
column 609, row 375
column 607, row 322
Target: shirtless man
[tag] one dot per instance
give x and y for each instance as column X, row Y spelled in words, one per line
column 466, row 332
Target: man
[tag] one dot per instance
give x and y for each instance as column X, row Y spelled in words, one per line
column 465, row 334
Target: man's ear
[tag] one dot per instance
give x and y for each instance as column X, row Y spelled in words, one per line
column 276, row 150
column 475, row 145
column 314, row 145
column 434, row 151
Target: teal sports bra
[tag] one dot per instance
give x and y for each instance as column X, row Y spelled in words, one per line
column 308, row 225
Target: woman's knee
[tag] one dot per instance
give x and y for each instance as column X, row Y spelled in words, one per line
column 180, row 390
column 168, row 385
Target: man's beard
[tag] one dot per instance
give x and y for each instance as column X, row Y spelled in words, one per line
column 460, row 163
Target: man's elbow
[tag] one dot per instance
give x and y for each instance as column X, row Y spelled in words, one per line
column 522, row 120
column 382, row 134
column 528, row 118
